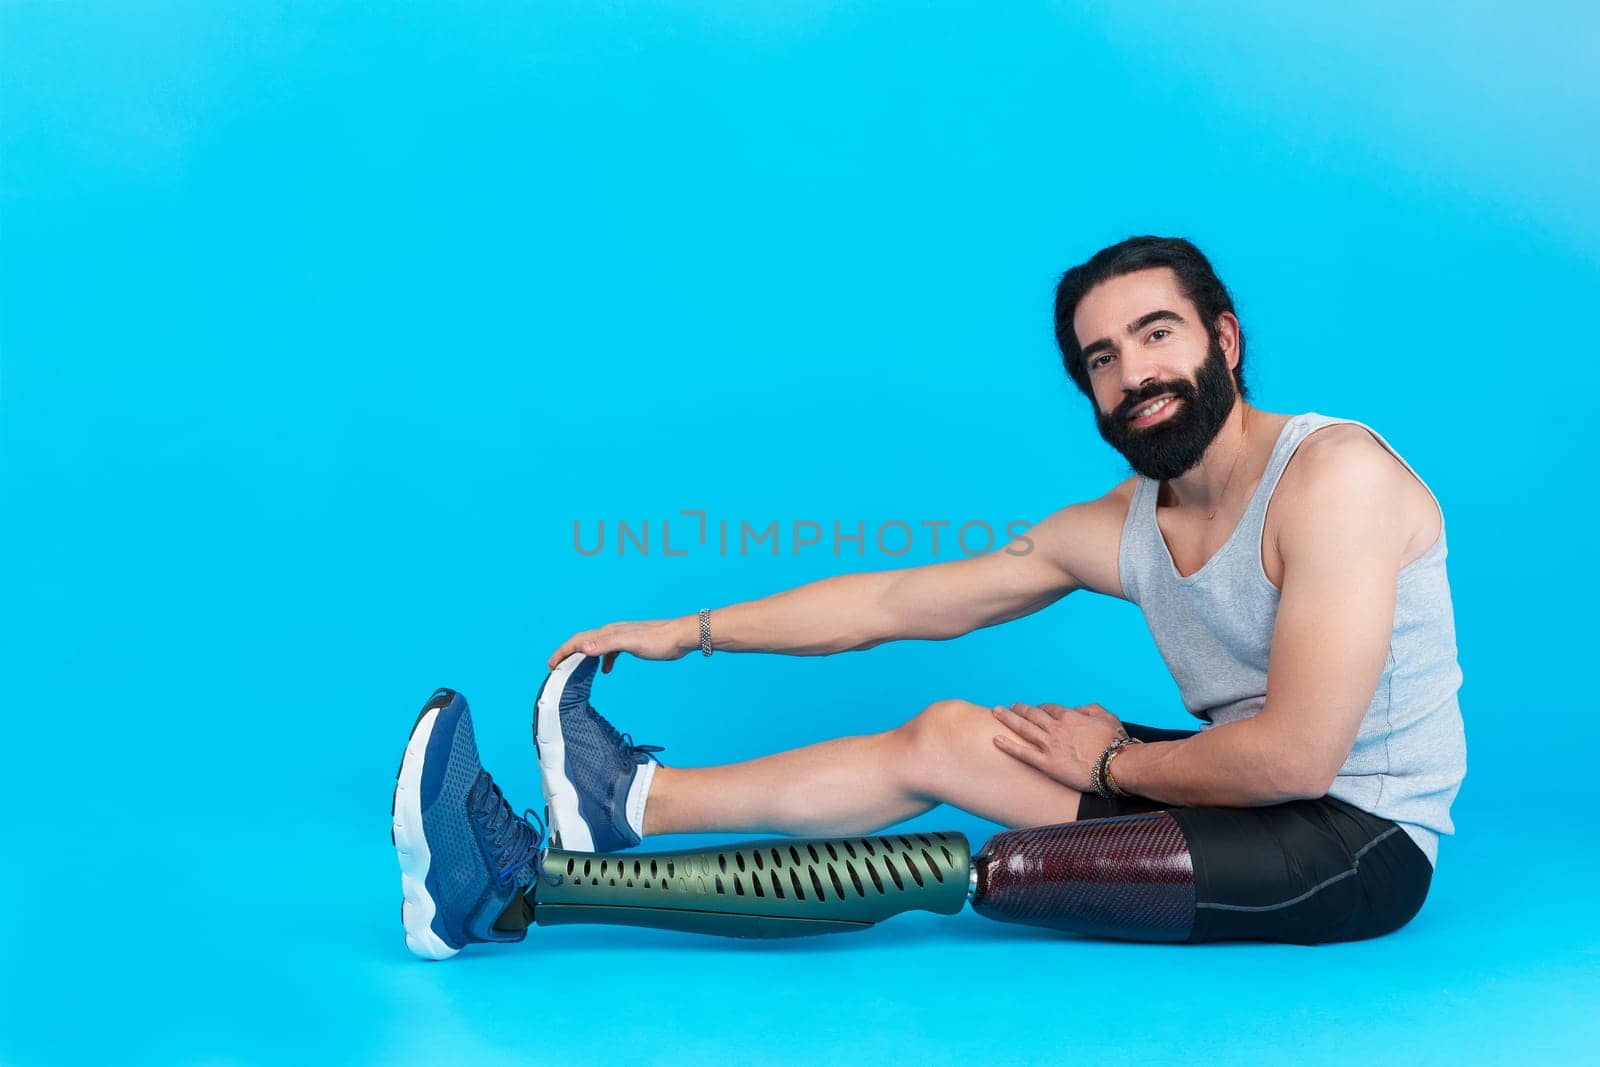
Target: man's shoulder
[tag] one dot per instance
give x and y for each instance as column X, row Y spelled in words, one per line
column 1343, row 472
column 1083, row 538
column 1104, row 511
column 1119, row 496
column 1340, row 457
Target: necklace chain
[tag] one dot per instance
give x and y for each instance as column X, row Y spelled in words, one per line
column 1244, row 429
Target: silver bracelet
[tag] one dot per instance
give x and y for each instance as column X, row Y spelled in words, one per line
column 705, row 631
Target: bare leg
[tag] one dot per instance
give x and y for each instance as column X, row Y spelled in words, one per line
column 859, row 784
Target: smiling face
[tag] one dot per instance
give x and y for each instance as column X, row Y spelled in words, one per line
column 1162, row 384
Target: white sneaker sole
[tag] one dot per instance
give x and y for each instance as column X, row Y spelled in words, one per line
column 568, row 831
column 417, row 907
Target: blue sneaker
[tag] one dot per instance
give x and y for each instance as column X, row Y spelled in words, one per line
column 465, row 857
column 587, row 767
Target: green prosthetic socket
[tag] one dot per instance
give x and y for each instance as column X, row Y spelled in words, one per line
column 785, row 887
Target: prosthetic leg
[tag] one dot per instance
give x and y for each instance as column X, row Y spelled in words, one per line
column 1126, row 877
column 786, row 887
column 1129, row 876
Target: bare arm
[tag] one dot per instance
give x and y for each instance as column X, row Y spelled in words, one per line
column 1341, row 546
column 1073, row 548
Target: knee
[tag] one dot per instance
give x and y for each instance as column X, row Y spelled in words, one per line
column 942, row 730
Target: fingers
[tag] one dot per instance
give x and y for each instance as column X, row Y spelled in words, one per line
column 607, row 642
column 1019, row 751
column 589, row 642
column 1095, row 711
column 1088, row 711
column 1035, row 714
column 568, row 647
column 653, row 639
column 1026, row 721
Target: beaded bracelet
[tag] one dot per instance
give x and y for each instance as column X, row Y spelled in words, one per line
column 1100, row 775
column 1097, row 773
column 705, row 631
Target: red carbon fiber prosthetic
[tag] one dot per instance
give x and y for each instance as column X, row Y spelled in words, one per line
column 1129, row 876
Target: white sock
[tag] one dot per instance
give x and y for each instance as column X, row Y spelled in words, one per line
column 637, row 794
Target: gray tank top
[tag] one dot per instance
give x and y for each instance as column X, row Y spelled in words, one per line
column 1214, row 630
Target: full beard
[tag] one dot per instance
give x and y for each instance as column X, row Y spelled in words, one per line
column 1174, row 445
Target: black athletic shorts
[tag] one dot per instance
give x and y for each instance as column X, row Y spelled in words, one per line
column 1306, row 871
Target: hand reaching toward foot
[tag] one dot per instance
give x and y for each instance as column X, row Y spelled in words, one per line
column 661, row 639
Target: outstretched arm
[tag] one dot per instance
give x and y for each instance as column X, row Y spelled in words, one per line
column 937, row 601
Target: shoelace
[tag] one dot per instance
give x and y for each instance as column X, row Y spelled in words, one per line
column 513, row 841
column 636, row 753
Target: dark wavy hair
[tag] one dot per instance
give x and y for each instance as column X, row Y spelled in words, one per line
column 1196, row 280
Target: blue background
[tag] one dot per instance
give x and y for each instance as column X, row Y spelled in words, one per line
column 323, row 325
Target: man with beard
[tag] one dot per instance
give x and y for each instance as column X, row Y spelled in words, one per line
column 1291, row 570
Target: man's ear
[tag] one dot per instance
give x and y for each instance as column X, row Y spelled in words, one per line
column 1227, row 327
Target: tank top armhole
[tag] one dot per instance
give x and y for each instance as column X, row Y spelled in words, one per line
column 1127, row 576
column 1321, row 422
column 1277, row 466
column 1439, row 507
